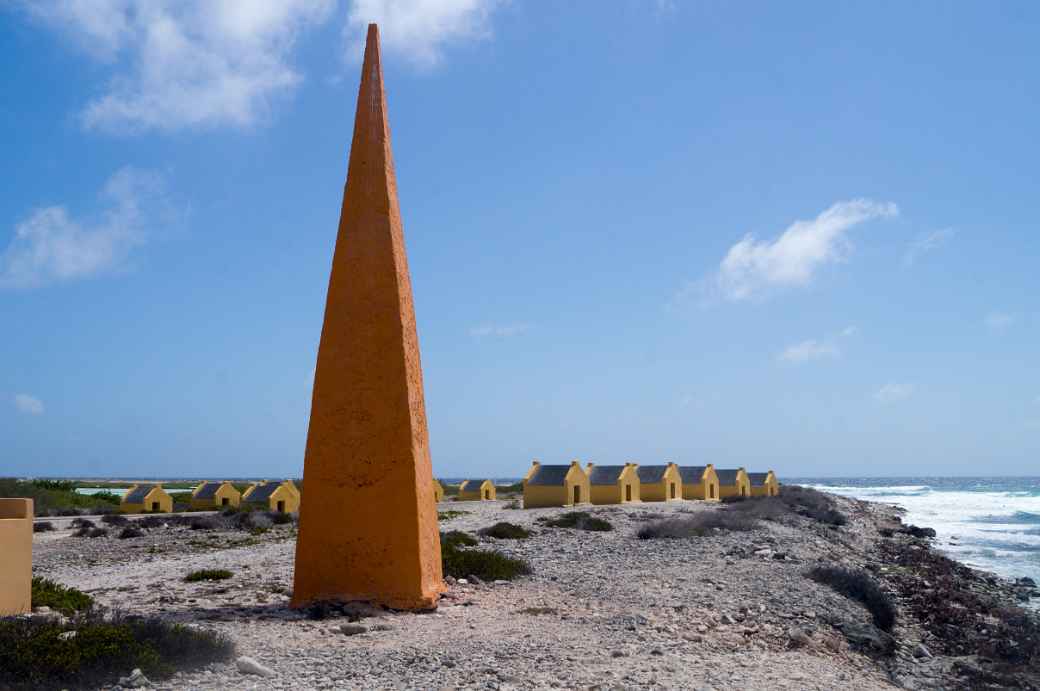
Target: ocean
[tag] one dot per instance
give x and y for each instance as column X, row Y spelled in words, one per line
column 991, row 523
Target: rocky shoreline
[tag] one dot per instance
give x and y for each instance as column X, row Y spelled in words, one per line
column 728, row 610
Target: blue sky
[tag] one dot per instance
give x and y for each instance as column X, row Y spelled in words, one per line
column 801, row 237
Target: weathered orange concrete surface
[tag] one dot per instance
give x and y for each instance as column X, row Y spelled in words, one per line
column 368, row 520
column 16, row 536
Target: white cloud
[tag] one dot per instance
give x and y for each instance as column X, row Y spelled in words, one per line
column 51, row 246
column 850, row 331
column 417, row 29
column 498, row 331
column 183, row 63
column 809, row 350
column 892, row 392
column 998, row 321
column 30, row 405
column 752, row 267
column 925, row 244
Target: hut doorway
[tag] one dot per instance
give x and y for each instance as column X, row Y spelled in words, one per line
column 225, row 501
column 628, row 492
column 155, row 506
column 577, row 494
column 281, row 507
column 671, row 490
column 711, row 491
column 487, row 494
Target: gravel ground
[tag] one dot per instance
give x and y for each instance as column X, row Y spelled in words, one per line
column 601, row 610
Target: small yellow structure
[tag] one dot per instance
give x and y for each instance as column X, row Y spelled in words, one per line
column 660, row 482
column 146, row 498
column 613, row 484
column 764, row 484
column 700, row 482
column 16, row 536
column 215, row 495
column 733, row 482
column 475, row 490
column 438, row 490
column 282, row 497
column 555, row 485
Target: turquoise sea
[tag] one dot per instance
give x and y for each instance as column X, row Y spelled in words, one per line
column 992, row 523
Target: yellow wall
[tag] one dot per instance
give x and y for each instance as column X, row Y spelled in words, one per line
column 438, row 491
column 157, row 496
column 16, row 535
column 770, row 488
column 472, row 490
column 742, row 487
column 537, row 496
column 225, row 491
column 707, row 489
column 286, row 493
column 662, row 491
column 625, row 490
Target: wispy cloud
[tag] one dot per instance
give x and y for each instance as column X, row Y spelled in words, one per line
column 498, row 330
column 30, row 405
column 926, row 243
column 185, row 63
column 751, row 268
column 806, row 351
column 50, row 246
column 850, row 331
column 999, row 321
column 893, row 392
column 418, row 29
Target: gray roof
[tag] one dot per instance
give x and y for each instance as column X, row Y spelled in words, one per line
column 208, row 490
column 727, row 477
column 605, row 474
column 693, row 474
column 651, row 473
column 262, row 493
column 138, row 494
column 550, row 475
column 757, row 479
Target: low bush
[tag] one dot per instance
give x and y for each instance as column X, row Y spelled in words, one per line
column 91, row 532
column 450, row 514
column 485, row 564
column 43, row 527
column 38, row 653
column 68, row 601
column 860, row 586
column 812, row 504
column 279, row 518
column 506, row 531
column 456, row 538
column 82, row 523
column 115, row 519
column 208, row 575
column 151, row 522
column 580, row 520
column 130, row 532
column 204, row 523
column 698, row 524
column 762, row 508
column 514, row 504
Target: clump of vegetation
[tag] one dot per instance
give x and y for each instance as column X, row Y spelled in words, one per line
column 762, row 508
column 68, row 601
column 130, row 532
column 91, row 532
column 279, row 518
column 580, row 520
column 450, row 514
column 43, row 527
column 537, row 611
column 115, row 519
column 151, row 522
column 38, row 653
column 56, row 497
column 506, row 531
column 699, row 524
column 208, row 575
column 860, row 586
column 457, row 538
column 484, row 564
column 82, row 523
column 514, row 504
column 204, row 523
column 812, row 504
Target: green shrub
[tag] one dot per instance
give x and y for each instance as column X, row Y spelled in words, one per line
column 580, row 520
column 279, row 518
column 450, row 514
column 813, row 504
column 208, row 575
column 456, row 538
column 484, row 564
column 68, row 601
column 56, row 497
column 91, row 532
column 33, row 653
column 698, row 524
column 506, row 531
column 130, row 532
column 858, row 585
column 115, row 519
column 43, row 527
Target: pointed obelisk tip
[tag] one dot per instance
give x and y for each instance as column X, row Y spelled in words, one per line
column 373, row 32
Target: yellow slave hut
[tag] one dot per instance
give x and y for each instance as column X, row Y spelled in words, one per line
column 438, row 490
column 764, row 484
column 733, row 482
column 613, row 484
column 700, row 482
column 282, row 497
column 660, row 482
column 476, row 490
column 215, row 495
column 143, row 498
column 555, row 485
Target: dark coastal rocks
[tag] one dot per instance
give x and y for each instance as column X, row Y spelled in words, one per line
column 869, row 637
column 914, row 531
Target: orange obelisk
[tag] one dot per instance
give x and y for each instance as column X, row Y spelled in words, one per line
column 368, row 520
